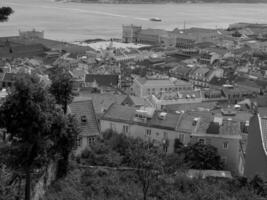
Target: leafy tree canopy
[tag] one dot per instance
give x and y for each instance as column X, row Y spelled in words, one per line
column 37, row 129
column 200, row 156
column 61, row 88
column 5, row 12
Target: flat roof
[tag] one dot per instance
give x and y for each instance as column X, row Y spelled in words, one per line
column 97, row 46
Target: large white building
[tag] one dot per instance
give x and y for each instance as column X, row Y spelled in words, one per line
column 146, row 86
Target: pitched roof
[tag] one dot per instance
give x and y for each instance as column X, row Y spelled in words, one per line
column 126, row 114
column 136, row 101
column 83, row 111
column 103, row 79
column 190, row 106
column 101, row 102
column 206, row 127
column 162, row 81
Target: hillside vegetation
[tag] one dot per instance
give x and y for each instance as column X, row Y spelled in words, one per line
column 120, row 168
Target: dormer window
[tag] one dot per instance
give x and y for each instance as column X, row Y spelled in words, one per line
column 83, row 119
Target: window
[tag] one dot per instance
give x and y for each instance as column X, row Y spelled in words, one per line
column 125, row 129
column 148, row 132
column 202, row 141
column 225, row 145
column 90, row 140
column 78, row 141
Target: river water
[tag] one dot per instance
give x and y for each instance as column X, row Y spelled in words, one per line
column 76, row 21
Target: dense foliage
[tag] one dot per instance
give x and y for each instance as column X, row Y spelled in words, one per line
column 133, row 169
column 5, row 12
column 35, row 127
column 61, row 88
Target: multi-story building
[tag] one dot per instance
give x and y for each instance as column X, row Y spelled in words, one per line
column 198, row 77
column 208, row 58
column 235, row 94
column 173, row 98
column 152, row 36
column 145, row 123
column 31, row 34
column 83, row 111
column 224, row 134
column 145, row 86
column 130, row 33
column 181, row 71
column 163, row 128
column 102, row 80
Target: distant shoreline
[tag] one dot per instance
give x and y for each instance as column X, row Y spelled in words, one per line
column 159, row 2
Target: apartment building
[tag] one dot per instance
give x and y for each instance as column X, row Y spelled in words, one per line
column 145, row 86
column 163, row 128
column 159, row 101
column 222, row 133
column 146, row 123
column 83, row 111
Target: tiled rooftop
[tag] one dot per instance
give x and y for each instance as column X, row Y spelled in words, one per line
column 102, row 102
column 83, row 108
column 204, row 125
column 161, row 81
column 186, row 123
column 179, row 95
column 103, row 79
column 126, row 114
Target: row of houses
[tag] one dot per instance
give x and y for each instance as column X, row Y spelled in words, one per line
column 162, row 128
column 222, row 131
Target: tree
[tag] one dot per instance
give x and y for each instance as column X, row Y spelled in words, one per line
column 148, row 163
column 178, row 145
column 65, row 130
column 5, row 12
column 61, row 88
column 28, row 114
column 173, row 162
column 257, row 184
column 200, row 156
